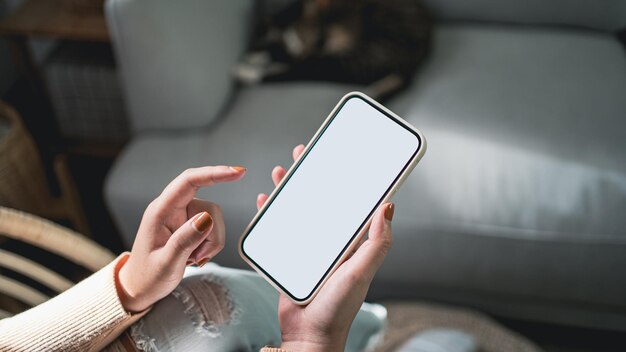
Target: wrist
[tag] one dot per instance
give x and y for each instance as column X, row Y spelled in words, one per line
column 130, row 299
column 301, row 346
column 314, row 344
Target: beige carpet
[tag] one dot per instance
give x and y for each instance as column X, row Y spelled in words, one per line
column 409, row 318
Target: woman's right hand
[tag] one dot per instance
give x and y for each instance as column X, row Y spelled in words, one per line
column 323, row 324
column 177, row 229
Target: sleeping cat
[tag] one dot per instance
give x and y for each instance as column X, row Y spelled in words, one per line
column 377, row 43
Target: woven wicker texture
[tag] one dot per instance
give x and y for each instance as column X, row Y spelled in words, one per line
column 22, row 180
column 85, row 92
column 51, row 237
column 23, row 183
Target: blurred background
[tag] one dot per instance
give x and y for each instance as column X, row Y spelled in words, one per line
column 514, row 220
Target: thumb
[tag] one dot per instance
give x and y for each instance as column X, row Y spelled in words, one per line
column 189, row 236
column 371, row 254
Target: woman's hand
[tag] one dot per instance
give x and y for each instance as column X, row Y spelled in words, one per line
column 323, row 325
column 176, row 230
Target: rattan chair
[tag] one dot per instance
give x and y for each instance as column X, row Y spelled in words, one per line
column 52, row 238
column 23, row 183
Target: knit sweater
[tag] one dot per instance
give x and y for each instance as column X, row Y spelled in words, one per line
column 87, row 317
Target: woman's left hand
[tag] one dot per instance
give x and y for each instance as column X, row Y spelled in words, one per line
column 177, row 229
column 323, row 324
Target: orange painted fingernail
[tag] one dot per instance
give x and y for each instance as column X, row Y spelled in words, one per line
column 202, row 262
column 389, row 211
column 238, row 168
column 202, row 222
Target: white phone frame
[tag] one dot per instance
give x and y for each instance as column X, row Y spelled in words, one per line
column 356, row 239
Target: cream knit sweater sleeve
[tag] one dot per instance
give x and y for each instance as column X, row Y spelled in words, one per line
column 86, row 317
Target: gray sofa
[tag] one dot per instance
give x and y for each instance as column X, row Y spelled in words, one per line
column 518, row 207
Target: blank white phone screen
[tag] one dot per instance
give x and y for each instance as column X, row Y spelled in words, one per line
column 327, row 199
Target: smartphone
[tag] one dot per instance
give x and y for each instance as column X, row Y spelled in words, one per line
column 323, row 206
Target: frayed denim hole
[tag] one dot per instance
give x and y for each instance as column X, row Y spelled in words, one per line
column 208, row 303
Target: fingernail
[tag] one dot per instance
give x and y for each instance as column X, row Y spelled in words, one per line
column 389, row 209
column 202, row 262
column 189, row 262
column 202, row 222
column 238, row 168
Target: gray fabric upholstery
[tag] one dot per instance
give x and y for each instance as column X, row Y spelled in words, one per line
column 165, row 89
column 598, row 14
column 526, row 154
column 517, row 207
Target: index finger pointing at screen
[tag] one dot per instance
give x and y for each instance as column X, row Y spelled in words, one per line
column 183, row 188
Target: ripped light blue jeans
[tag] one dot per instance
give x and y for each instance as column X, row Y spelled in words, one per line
column 220, row 309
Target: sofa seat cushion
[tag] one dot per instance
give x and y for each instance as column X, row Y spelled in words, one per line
column 522, row 191
column 526, row 127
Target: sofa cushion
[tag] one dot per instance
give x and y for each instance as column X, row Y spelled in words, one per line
column 554, row 100
column 527, row 157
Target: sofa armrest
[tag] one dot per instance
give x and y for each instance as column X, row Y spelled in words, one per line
column 175, row 57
